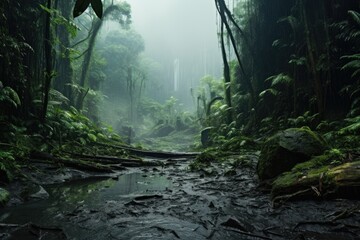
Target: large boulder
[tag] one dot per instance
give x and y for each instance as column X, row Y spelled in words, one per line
column 287, row 148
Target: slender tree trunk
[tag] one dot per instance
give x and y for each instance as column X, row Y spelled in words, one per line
column 88, row 54
column 48, row 62
column 311, row 49
column 227, row 78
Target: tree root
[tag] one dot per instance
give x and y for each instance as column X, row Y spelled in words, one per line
column 283, row 198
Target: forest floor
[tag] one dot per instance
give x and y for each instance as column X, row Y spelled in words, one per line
column 169, row 202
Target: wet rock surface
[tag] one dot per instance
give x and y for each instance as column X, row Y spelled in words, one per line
column 172, row 203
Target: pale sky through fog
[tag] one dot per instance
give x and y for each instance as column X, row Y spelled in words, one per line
column 179, row 29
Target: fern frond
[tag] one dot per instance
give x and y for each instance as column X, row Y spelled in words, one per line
column 269, row 91
column 355, row 16
column 280, row 79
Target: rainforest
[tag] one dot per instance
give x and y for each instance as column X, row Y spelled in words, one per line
column 179, row 119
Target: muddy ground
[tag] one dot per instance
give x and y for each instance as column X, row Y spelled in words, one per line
column 170, row 202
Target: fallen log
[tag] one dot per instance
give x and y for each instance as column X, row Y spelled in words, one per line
column 78, row 164
column 147, row 153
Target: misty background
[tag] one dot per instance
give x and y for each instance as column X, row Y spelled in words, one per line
column 181, row 37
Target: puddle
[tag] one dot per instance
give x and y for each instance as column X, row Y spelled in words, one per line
column 90, row 193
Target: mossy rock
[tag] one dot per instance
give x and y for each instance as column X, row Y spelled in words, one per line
column 287, row 148
column 326, row 181
column 205, row 136
column 4, row 197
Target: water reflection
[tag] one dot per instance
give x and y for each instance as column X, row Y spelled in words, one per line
column 92, row 193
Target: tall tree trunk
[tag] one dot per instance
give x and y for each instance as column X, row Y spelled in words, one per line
column 64, row 70
column 312, row 57
column 48, row 63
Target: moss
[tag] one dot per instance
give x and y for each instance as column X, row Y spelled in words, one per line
column 316, row 136
column 330, row 157
column 4, row 197
column 286, row 179
column 307, row 172
column 321, row 171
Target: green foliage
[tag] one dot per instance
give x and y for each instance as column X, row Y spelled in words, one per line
column 268, row 92
column 307, row 119
column 202, row 161
column 331, row 157
column 58, row 19
column 352, row 128
column 208, row 92
column 8, row 165
column 280, row 80
column 9, row 96
column 353, row 64
column 70, row 128
column 353, row 90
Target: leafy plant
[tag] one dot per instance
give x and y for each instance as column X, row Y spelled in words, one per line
column 7, row 166
column 9, row 96
column 354, row 89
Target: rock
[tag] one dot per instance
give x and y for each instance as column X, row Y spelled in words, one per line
column 205, row 136
column 234, row 223
column 4, row 197
column 40, row 194
column 287, row 148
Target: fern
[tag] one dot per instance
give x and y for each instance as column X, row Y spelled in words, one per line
column 9, row 95
column 270, row 91
column 353, row 127
column 280, row 79
column 355, row 16
column 58, row 96
column 7, row 164
column 354, row 64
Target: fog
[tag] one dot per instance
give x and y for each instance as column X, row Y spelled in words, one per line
column 180, row 35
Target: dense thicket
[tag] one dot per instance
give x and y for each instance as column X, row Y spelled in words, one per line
column 299, row 58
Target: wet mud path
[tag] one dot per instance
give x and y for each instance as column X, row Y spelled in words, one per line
column 171, row 202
